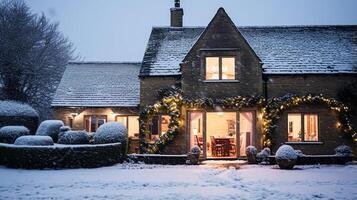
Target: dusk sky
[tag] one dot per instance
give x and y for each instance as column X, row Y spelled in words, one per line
column 118, row 30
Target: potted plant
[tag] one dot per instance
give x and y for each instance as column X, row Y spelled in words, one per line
column 286, row 157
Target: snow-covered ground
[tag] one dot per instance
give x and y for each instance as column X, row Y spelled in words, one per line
column 135, row 181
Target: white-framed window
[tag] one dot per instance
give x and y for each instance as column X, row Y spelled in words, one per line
column 303, row 127
column 220, row 68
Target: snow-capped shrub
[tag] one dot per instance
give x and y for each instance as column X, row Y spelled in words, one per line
column 50, row 128
column 34, row 140
column 299, row 153
column 286, row 152
column 251, row 153
column 263, row 156
column 111, row 132
column 343, row 150
column 193, row 157
column 286, row 157
column 65, row 128
column 251, row 150
column 13, row 108
column 73, row 137
column 195, row 150
column 8, row 134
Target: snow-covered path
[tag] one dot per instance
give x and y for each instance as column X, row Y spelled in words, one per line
column 128, row 181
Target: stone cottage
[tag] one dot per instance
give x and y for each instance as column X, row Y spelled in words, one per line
column 219, row 63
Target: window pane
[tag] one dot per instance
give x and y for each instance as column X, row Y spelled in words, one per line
column 165, row 120
column 228, row 68
column 294, row 128
column 122, row 120
column 93, row 121
column 212, row 68
column 133, row 129
column 311, row 127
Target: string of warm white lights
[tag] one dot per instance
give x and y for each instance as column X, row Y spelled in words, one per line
column 270, row 112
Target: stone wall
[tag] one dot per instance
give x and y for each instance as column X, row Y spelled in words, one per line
column 149, row 87
column 328, row 85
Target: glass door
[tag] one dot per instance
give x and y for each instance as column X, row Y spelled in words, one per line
column 196, row 129
column 246, row 130
column 221, row 134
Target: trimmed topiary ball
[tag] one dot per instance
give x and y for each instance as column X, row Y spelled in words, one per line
column 73, row 137
column 286, row 157
column 344, row 150
column 50, row 128
column 34, row 140
column 111, row 132
column 8, row 134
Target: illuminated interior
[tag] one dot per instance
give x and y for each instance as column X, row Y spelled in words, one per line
column 92, row 122
column 212, row 68
column 310, row 127
column 221, row 134
column 131, row 123
column 196, row 129
column 302, row 123
column 245, row 131
column 228, row 71
column 294, row 128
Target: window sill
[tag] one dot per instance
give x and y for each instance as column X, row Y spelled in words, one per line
column 220, row 81
column 304, row 143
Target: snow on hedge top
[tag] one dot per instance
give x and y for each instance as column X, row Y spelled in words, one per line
column 99, row 84
column 110, row 132
column 286, row 152
column 13, row 108
column 282, row 49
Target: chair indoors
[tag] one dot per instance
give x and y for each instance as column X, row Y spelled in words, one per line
column 217, row 149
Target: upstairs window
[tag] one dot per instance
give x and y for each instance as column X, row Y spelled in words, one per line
column 220, row 68
column 302, row 127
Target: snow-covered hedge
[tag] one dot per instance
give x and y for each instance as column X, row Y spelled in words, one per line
column 13, row 108
column 34, row 140
column 60, row 156
column 251, row 153
column 73, row 137
column 50, row 128
column 18, row 114
column 111, row 132
column 8, row 134
column 343, row 150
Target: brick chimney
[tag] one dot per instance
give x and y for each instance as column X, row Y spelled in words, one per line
column 176, row 15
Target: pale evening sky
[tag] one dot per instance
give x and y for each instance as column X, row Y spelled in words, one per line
column 118, row 30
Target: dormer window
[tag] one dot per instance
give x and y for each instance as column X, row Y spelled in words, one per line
column 220, row 68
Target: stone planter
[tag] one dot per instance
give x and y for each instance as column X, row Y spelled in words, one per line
column 286, row 163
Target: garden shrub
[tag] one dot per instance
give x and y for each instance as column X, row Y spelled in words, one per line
column 73, row 137
column 34, row 140
column 8, row 134
column 50, row 128
column 263, row 156
column 344, row 150
column 111, row 132
column 286, row 157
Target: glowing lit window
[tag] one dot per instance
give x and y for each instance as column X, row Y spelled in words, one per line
column 131, row 123
column 92, row 122
column 310, row 127
column 228, row 72
column 302, row 127
column 212, row 68
column 220, row 68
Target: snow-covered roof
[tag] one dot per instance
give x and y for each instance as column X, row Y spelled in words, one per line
column 282, row 49
column 99, row 84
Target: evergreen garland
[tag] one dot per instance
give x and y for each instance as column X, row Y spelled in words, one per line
column 270, row 113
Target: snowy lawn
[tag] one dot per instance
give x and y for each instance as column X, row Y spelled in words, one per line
column 129, row 181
